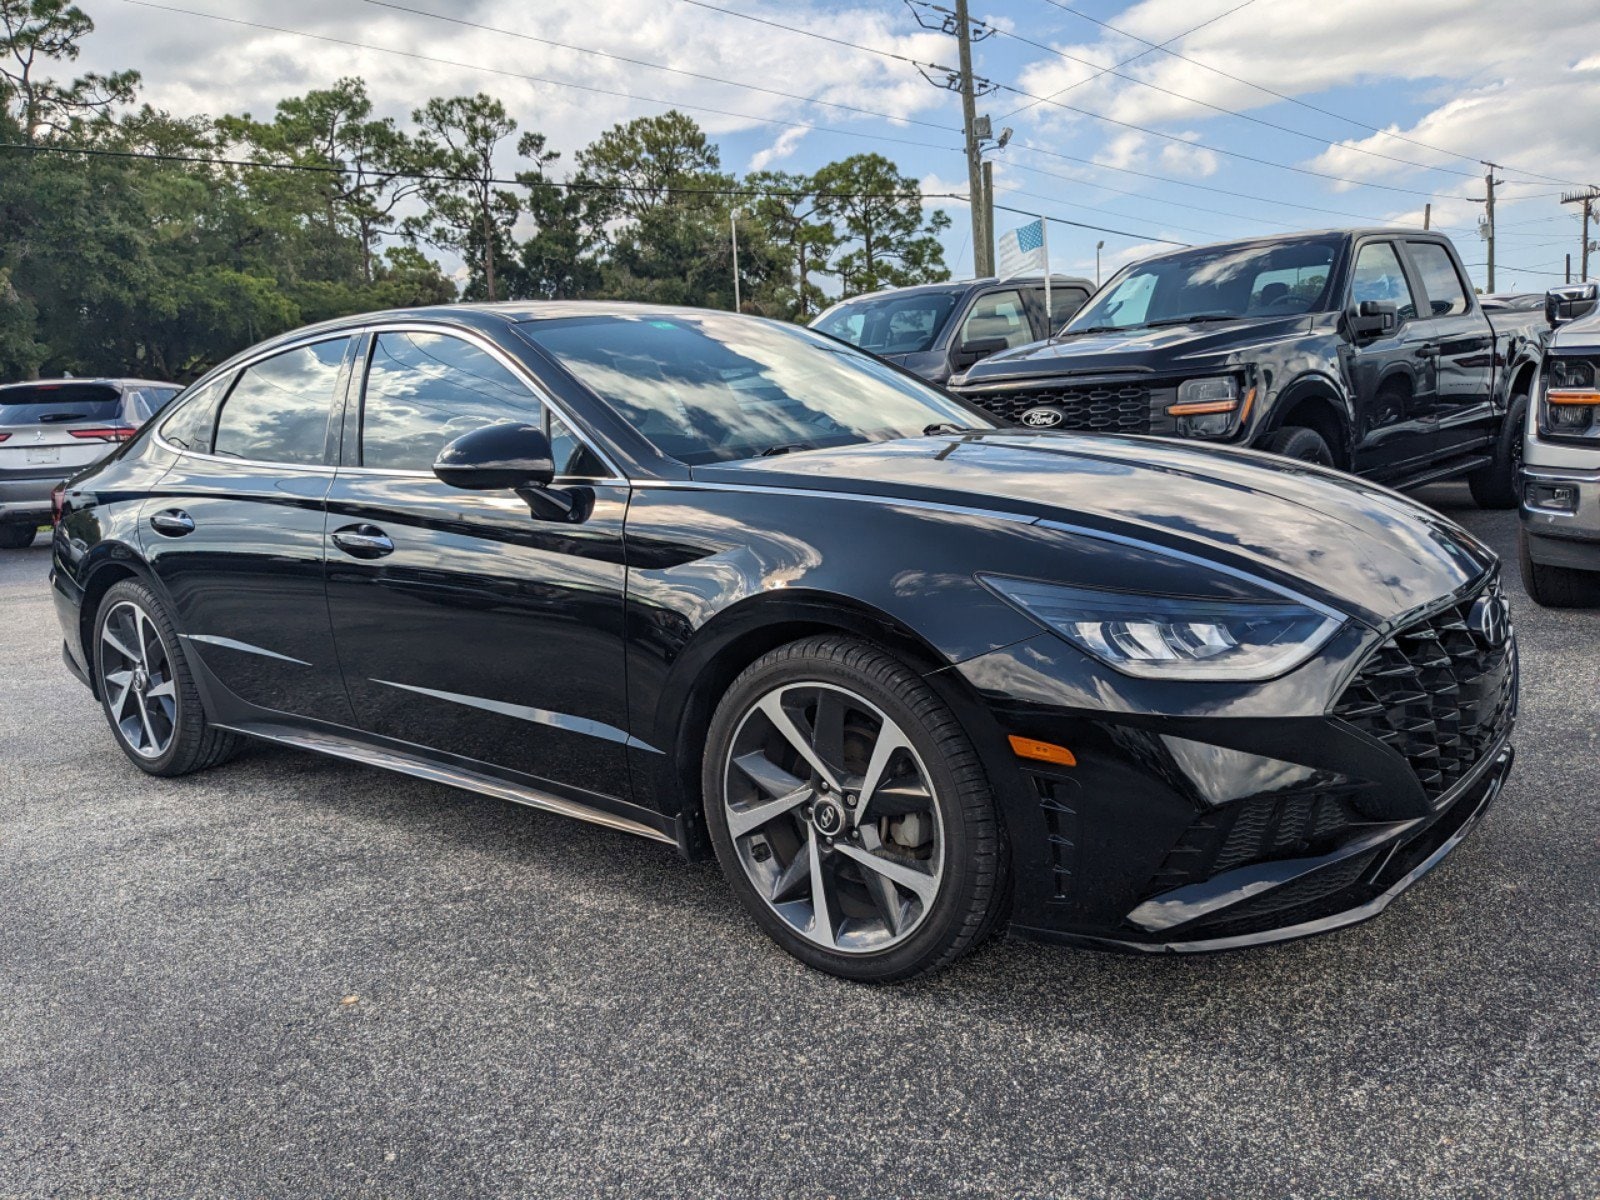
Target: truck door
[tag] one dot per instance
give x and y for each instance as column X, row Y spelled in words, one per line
column 1461, row 341
column 1391, row 374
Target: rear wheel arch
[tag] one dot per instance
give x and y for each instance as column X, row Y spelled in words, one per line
column 101, row 579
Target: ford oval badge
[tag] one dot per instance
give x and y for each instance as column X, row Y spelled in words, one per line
column 1042, row 418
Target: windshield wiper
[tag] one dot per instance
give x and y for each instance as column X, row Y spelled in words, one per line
column 1091, row 329
column 774, row 451
column 947, row 427
column 1196, row 319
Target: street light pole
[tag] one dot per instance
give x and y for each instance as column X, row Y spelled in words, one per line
column 1098, row 246
column 733, row 227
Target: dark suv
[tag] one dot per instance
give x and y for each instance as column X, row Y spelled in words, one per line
column 940, row 329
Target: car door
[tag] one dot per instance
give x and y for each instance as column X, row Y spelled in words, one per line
column 464, row 624
column 234, row 530
column 1461, row 341
column 1391, row 375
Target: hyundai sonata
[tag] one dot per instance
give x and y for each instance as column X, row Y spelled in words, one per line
column 912, row 677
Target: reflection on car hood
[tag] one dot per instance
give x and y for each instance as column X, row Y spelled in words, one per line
column 1369, row 551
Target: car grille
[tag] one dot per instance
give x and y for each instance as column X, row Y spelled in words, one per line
column 1263, row 829
column 1090, row 408
column 1308, row 898
column 1438, row 691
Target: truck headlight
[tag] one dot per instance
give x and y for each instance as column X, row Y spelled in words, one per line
column 1571, row 405
column 1174, row 637
column 1210, row 407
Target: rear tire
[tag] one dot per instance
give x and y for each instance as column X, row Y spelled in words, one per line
column 1301, row 444
column 872, row 879
column 146, row 688
column 1556, row 587
column 17, row 537
column 1497, row 485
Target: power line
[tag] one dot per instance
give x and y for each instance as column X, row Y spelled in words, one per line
column 811, row 33
column 560, row 83
column 1164, row 48
column 1022, row 212
column 639, row 62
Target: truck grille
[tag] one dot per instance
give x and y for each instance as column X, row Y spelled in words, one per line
column 1090, row 408
column 1440, row 691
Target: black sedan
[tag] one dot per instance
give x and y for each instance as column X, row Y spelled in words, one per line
column 912, row 677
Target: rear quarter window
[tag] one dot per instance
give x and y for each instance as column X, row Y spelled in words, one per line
column 193, row 419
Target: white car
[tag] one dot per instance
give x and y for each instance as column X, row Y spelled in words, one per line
column 52, row 428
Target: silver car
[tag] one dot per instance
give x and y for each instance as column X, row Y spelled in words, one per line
column 1560, row 542
column 52, row 428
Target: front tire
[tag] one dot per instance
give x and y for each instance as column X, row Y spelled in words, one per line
column 146, row 688
column 851, row 814
column 17, row 537
column 1497, row 485
column 1556, row 587
column 1301, row 444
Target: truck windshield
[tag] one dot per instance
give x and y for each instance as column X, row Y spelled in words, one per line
column 905, row 324
column 1213, row 283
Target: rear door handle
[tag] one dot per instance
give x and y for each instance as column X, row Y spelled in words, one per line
column 363, row 541
column 174, row 522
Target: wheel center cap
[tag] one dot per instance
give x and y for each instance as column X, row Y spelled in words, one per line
column 141, row 679
column 828, row 817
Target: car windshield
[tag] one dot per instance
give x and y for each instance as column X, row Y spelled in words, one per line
column 1221, row 283
column 904, row 324
column 59, row 403
column 712, row 387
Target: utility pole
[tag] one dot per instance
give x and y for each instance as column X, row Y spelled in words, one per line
column 1587, row 197
column 1427, row 216
column 957, row 21
column 1486, row 226
column 733, row 228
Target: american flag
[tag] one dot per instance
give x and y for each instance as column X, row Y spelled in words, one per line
column 1022, row 249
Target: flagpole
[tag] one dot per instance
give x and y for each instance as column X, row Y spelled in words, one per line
column 1044, row 235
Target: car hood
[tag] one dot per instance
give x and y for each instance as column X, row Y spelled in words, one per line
column 1140, row 349
column 1365, row 550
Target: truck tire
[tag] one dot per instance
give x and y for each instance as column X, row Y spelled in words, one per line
column 1299, row 443
column 1496, row 485
column 1556, row 587
column 17, row 537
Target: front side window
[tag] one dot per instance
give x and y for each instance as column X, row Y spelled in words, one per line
column 893, row 324
column 191, row 424
column 997, row 317
column 1378, row 276
column 711, row 387
column 1446, row 296
column 427, row 389
column 278, row 411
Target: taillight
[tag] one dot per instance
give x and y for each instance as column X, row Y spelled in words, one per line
column 109, row 433
column 58, row 503
column 4, row 436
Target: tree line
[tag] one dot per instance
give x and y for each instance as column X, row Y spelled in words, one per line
column 133, row 241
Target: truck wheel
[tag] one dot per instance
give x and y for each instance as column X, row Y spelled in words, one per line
column 1299, row 443
column 17, row 537
column 1556, row 587
column 1496, row 485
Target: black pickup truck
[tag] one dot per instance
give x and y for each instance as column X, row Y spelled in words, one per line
column 1365, row 350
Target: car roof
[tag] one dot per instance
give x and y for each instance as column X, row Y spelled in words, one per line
column 107, row 381
column 1307, row 235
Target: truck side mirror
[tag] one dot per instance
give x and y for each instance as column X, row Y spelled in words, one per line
column 976, row 350
column 1374, row 318
column 1564, row 304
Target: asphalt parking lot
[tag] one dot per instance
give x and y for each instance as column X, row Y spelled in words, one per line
column 293, row 976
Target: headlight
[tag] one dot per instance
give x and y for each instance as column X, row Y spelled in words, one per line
column 1171, row 637
column 1571, row 406
column 1209, row 407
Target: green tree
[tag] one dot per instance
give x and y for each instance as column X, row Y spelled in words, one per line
column 557, row 262
column 881, row 219
column 790, row 214
column 467, row 212
column 33, row 32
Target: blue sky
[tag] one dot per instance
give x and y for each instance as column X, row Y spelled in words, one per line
column 1450, row 81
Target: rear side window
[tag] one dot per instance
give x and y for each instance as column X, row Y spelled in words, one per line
column 60, row 404
column 1378, row 277
column 146, row 402
column 998, row 316
column 278, row 411
column 1064, row 305
column 427, row 389
column 1446, row 295
column 190, row 425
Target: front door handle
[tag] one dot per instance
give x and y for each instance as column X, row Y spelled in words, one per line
column 174, row 522
column 363, row 541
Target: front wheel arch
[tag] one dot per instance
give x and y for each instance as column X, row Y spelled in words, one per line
column 1315, row 406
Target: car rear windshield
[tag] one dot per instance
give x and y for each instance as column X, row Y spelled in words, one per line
column 714, row 387
column 890, row 324
column 58, row 403
column 1214, row 283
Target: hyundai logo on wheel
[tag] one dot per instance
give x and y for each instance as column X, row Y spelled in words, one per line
column 1043, row 418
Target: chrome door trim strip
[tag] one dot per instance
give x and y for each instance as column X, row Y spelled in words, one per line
column 227, row 643
column 471, row 781
column 537, row 716
column 821, row 494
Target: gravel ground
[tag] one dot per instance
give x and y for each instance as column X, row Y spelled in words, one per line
column 297, row 977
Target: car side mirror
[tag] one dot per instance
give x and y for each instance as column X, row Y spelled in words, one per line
column 1566, row 304
column 512, row 458
column 977, row 350
column 1374, row 318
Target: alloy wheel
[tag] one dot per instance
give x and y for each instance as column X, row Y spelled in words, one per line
column 137, row 672
column 834, row 817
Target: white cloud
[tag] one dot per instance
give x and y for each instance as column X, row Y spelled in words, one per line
column 781, row 149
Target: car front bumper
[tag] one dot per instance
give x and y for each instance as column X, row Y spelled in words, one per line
column 1568, row 535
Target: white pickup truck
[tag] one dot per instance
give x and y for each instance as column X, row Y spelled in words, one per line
column 1560, row 542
